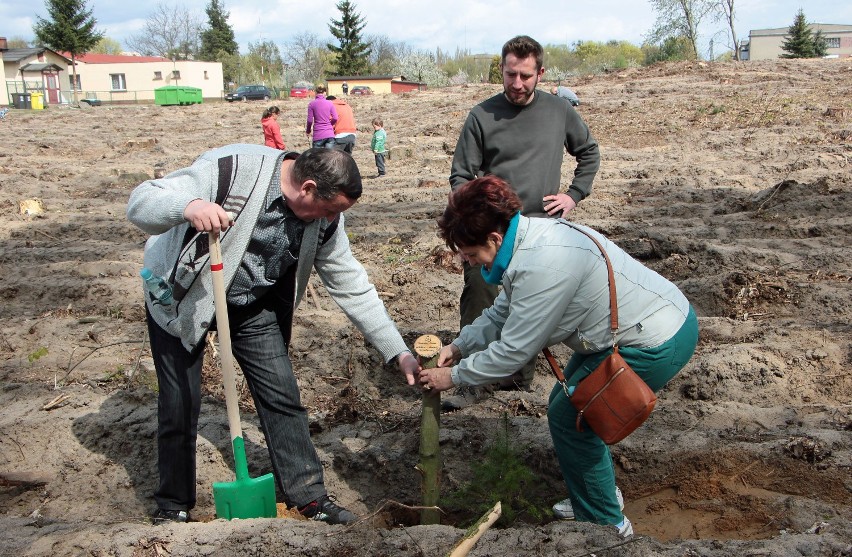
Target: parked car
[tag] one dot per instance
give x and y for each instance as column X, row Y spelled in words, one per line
column 302, row 91
column 361, row 90
column 249, row 93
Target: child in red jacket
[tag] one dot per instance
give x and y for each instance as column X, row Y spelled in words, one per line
column 271, row 130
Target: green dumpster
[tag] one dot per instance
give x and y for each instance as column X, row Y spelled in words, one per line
column 177, row 95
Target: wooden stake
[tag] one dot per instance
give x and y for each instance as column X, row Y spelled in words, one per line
column 475, row 532
column 56, row 402
column 427, row 348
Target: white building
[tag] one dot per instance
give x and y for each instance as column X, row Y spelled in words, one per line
column 765, row 44
column 113, row 78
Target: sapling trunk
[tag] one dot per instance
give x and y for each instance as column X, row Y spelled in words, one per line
column 427, row 348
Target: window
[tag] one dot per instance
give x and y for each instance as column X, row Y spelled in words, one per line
column 205, row 74
column 118, row 82
column 71, row 81
column 176, row 74
column 158, row 75
column 832, row 42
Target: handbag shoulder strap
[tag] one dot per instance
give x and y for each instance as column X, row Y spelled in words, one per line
column 613, row 299
column 613, row 308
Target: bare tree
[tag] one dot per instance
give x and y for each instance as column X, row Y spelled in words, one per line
column 679, row 18
column 172, row 32
column 384, row 53
column 307, row 57
column 724, row 9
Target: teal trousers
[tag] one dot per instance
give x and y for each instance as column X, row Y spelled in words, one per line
column 584, row 458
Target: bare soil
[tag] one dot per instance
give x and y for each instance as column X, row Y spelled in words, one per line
column 733, row 180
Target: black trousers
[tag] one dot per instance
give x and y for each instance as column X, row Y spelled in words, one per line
column 259, row 338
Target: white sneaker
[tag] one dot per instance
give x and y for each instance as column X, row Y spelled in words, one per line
column 625, row 529
column 565, row 511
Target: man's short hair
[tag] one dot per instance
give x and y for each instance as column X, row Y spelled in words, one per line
column 334, row 172
column 522, row 47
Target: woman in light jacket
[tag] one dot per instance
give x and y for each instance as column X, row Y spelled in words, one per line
column 556, row 289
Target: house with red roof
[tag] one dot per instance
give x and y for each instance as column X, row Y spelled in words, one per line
column 108, row 78
column 113, row 78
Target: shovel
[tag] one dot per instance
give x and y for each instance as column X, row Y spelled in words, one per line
column 246, row 497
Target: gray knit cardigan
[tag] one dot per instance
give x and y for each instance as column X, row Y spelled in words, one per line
column 238, row 178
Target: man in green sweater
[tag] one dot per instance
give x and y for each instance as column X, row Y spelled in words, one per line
column 521, row 136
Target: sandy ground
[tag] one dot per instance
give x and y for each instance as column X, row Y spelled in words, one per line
column 733, row 180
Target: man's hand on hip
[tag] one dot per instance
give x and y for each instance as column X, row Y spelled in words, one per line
column 559, row 205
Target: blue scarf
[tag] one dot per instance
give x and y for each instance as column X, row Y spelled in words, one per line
column 504, row 254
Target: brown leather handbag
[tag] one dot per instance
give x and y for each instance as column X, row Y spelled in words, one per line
column 613, row 400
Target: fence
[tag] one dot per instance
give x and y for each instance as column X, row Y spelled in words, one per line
column 13, row 87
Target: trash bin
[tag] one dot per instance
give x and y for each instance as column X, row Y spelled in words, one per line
column 21, row 100
column 37, row 101
column 173, row 94
column 190, row 95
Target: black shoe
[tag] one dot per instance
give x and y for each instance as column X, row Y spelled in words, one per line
column 163, row 515
column 326, row 510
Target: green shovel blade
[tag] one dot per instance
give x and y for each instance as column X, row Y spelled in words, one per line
column 245, row 497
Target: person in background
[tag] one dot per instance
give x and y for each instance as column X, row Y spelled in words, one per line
column 521, row 136
column 345, row 88
column 289, row 221
column 271, row 129
column 344, row 129
column 321, row 119
column 556, row 290
column 377, row 144
column 567, row 94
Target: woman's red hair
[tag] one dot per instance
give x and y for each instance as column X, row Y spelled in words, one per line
column 475, row 210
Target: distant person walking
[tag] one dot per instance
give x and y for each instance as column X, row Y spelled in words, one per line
column 344, row 129
column 321, row 119
column 566, row 93
column 345, row 88
column 271, row 129
column 377, row 144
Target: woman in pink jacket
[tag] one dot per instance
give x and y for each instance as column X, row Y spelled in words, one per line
column 271, row 130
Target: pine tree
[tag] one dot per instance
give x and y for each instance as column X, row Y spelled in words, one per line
column 820, row 45
column 798, row 43
column 71, row 28
column 219, row 37
column 352, row 54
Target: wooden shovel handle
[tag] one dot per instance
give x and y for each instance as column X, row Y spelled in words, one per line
column 229, row 375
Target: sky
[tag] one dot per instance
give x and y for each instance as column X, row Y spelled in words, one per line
column 478, row 26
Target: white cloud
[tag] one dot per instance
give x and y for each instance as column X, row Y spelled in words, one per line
column 478, row 25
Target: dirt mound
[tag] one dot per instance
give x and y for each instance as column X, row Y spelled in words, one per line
column 731, row 179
